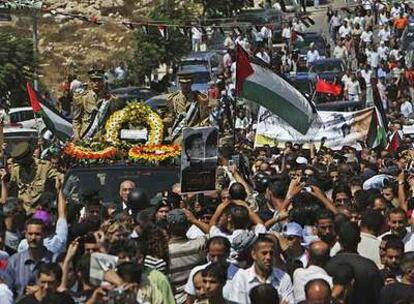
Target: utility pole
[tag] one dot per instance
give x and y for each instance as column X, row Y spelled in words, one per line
column 35, row 43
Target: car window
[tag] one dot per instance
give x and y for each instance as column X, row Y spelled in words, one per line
column 15, row 117
column 334, row 67
column 106, row 181
column 27, row 115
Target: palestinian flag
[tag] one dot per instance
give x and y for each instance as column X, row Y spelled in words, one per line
column 377, row 134
column 55, row 122
column 395, row 142
column 258, row 83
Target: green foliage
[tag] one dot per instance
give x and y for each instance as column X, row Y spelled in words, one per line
column 17, row 65
column 151, row 50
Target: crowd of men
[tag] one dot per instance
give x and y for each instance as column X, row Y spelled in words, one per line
column 285, row 224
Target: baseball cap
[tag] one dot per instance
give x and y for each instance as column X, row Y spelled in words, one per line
column 292, row 229
column 243, row 241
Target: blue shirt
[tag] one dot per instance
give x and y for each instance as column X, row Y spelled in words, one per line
column 22, row 269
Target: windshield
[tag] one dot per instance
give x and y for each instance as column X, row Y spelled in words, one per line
column 303, row 45
column 201, row 77
column 105, row 181
column 333, row 67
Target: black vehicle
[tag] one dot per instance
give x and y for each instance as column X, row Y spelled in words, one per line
column 305, row 83
column 105, row 180
column 133, row 93
column 260, row 17
column 330, row 69
column 302, row 45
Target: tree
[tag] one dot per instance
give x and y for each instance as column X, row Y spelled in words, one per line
column 151, row 49
column 222, row 8
column 17, row 65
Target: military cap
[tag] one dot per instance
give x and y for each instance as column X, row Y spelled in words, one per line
column 96, row 74
column 185, row 77
column 21, row 150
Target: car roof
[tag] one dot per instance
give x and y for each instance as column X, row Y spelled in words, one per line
column 199, row 55
column 195, row 68
column 18, row 109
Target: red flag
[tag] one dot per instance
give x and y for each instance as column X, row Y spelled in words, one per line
column 33, row 98
column 243, row 68
column 395, row 142
column 322, row 86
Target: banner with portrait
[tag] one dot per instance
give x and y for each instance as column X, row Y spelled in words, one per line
column 338, row 129
column 199, row 159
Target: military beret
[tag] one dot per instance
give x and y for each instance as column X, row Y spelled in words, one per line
column 21, row 150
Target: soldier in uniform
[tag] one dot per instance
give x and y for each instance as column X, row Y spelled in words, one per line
column 30, row 177
column 92, row 107
column 187, row 108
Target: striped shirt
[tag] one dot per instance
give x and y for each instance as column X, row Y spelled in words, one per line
column 184, row 256
column 155, row 263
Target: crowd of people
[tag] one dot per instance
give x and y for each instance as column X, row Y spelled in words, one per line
column 284, row 225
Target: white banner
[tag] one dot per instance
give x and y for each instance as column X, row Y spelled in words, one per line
column 339, row 129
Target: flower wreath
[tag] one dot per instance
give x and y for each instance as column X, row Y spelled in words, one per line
column 139, row 113
column 154, row 152
column 80, row 152
column 136, row 112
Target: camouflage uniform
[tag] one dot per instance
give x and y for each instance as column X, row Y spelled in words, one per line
column 31, row 184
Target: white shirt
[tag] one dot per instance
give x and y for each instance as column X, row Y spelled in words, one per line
column 367, row 75
column 346, row 79
column 266, row 32
column 374, row 59
column 302, row 276
column 340, row 52
column 229, row 43
column 287, row 33
column 343, row 31
column 312, row 56
column 360, row 20
column 408, row 240
column 246, row 279
column 383, row 52
column 196, row 33
column 406, row 108
column 6, row 295
column 353, row 88
column 384, row 35
column 366, row 36
column 368, row 247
